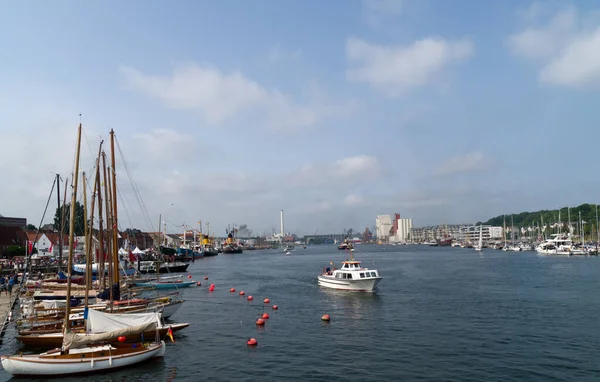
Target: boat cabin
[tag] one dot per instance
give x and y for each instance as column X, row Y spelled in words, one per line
column 352, row 270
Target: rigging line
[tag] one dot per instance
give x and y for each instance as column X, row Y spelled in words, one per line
column 41, row 221
column 87, row 142
column 124, row 206
column 135, row 188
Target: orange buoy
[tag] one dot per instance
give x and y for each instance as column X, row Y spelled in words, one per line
column 265, row 316
column 205, row 277
column 275, row 307
column 242, row 293
column 252, row 342
column 199, row 283
column 212, row 285
column 232, row 290
column 266, row 301
column 325, row 317
column 260, row 321
column 121, row 338
column 250, row 298
column 189, row 276
column 211, row 289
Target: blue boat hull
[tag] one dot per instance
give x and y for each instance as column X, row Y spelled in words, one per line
column 183, row 284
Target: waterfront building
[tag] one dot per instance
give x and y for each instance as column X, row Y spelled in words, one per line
column 400, row 231
column 471, row 233
column 383, row 225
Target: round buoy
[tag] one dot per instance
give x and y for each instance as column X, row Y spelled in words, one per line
column 211, row 289
column 325, row 317
column 189, row 276
column 199, row 283
column 275, row 307
column 250, row 298
column 252, row 342
column 212, row 285
column 205, row 277
column 266, row 301
column 260, row 321
column 232, row 290
column 265, row 316
column 178, row 281
column 121, row 338
column 242, row 293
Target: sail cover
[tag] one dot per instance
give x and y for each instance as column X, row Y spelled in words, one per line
column 99, row 322
column 107, row 326
column 76, row 340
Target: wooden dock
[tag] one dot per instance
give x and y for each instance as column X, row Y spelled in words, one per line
column 7, row 301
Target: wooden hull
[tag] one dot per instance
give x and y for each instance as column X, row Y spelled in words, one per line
column 91, row 361
column 52, row 340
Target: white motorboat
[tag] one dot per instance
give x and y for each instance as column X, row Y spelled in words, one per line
column 559, row 244
column 351, row 276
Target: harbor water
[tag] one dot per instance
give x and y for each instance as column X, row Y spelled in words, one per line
column 441, row 314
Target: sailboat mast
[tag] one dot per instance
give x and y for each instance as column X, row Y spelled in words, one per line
column 102, row 238
column 114, row 212
column 85, row 232
column 108, row 197
column 597, row 229
column 62, row 224
column 59, row 228
column 581, row 230
column 72, row 233
column 90, row 232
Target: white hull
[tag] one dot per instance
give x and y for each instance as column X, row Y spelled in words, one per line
column 47, row 365
column 478, row 249
column 365, row 285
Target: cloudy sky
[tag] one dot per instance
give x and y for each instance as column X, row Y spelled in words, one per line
column 228, row 111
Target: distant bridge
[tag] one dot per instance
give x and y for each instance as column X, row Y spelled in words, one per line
column 325, row 238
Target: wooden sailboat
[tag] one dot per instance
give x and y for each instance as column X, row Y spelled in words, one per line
column 77, row 354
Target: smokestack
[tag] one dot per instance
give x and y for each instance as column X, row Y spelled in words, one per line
column 282, row 231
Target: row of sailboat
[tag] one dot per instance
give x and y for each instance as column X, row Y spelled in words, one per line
column 91, row 326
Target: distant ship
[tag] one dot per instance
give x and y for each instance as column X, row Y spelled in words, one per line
column 445, row 241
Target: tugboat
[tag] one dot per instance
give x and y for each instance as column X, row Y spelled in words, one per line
column 231, row 246
column 351, row 276
column 346, row 245
column 208, row 246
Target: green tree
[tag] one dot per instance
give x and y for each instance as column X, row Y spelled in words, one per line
column 14, row 250
column 79, row 218
column 30, row 227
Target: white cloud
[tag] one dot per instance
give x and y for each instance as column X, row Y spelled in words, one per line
column 548, row 40
column 566, row 46
column 278, row 54
column 578, row 65
column 220, row 97
column 161, row 143
column 340, row 172
column 473, row 161
column 353, row 200
column 397, row 69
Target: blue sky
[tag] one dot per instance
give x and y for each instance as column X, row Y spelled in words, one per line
column 228, row 111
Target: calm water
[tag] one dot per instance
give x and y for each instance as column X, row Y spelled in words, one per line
column 441, row 314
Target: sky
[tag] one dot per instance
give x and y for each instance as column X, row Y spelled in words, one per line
column 336, row 112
